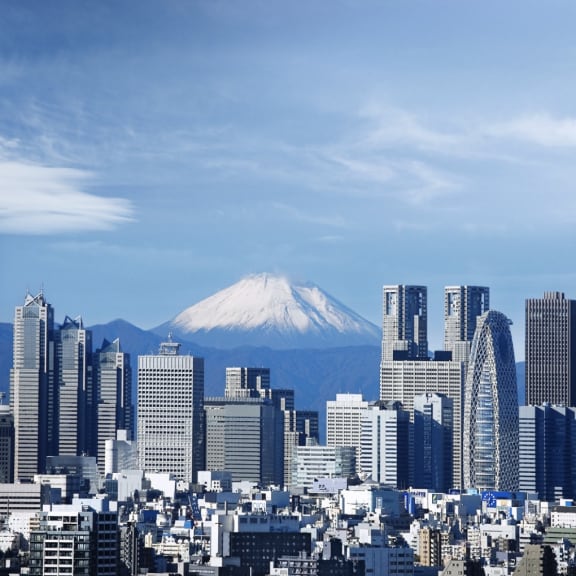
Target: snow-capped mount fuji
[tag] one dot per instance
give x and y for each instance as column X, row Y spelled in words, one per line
column 269, row 310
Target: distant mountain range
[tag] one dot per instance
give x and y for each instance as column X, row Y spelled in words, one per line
column 312, row 343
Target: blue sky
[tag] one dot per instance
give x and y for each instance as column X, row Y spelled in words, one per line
column 152, row 153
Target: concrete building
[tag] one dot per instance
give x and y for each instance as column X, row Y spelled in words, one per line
column 404, row 380
column 314, row 462
column 491, row 408
column 384, row 444
column 300, row 426
column 244, row 436
column 79, row 539
column 113, row 383
column 343, row 420
column 171, row 431
column 33, row 397
column 551, row 350
column 120, row 454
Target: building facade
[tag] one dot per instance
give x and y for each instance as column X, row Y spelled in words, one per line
column 385, row 444
column 76, row 402
column 491, row 408
column 433, row 436
column 113, row 383
column 33, row 393
column 343, row 420
column 171, row 431
column 551, row 350
column 462, row 306
column 547, row 448
column 404, row 322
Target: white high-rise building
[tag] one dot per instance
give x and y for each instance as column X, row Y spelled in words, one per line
column 32, row 386
column 385, row 441
column 343, row 420
column 171, row 432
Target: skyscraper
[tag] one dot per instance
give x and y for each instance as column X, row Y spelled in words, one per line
column 245, row 438
column 404, row 380
column 6, row 444
column 343, row 420
column 547, row 453
column 551, row 350
column 32, row 386
column 384, row 444
column 433, row 436
column 406, row 369
column 404, row 323
column 491, row 408
column 113, row 384
column 462, row 306
column 171, row 433
column 75, row 390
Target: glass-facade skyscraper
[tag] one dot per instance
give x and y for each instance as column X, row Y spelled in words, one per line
column 551, row 350
column 32, row 386
column 491, row 408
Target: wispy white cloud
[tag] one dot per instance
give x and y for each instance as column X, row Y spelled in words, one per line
column 541, row 129
column 36, row 199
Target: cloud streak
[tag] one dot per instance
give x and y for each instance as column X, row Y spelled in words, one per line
column 36, row 199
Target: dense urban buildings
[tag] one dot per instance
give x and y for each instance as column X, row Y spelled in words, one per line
column 491, row 408
column 551, row 350
column 171, row 430
column 343, row 420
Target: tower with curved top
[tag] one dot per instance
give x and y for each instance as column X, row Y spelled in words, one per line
column 491, row 407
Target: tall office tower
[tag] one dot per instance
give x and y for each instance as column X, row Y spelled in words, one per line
column 76, row 393
column 551, row 350
column 32, row 386
column 171, row 431
column 300, row 426
column 491, row 408
column 462, row 306
column 384, row 444
column 343, row 420
column 113, row 384
column 244, row 382
column 404, row 324
column 405, row 380
column 547, row 455
column 6, row 444
column 433, row 434
column 243, row 438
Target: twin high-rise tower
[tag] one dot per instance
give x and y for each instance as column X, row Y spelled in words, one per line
column 407, row 371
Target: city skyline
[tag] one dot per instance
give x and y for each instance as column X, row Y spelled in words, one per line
column 352, row 145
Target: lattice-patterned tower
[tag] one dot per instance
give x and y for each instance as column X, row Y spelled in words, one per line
column 491, row 407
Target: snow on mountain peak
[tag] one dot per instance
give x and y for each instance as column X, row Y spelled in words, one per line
column 268, row 309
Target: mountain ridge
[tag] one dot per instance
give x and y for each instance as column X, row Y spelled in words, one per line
column 269, row 310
